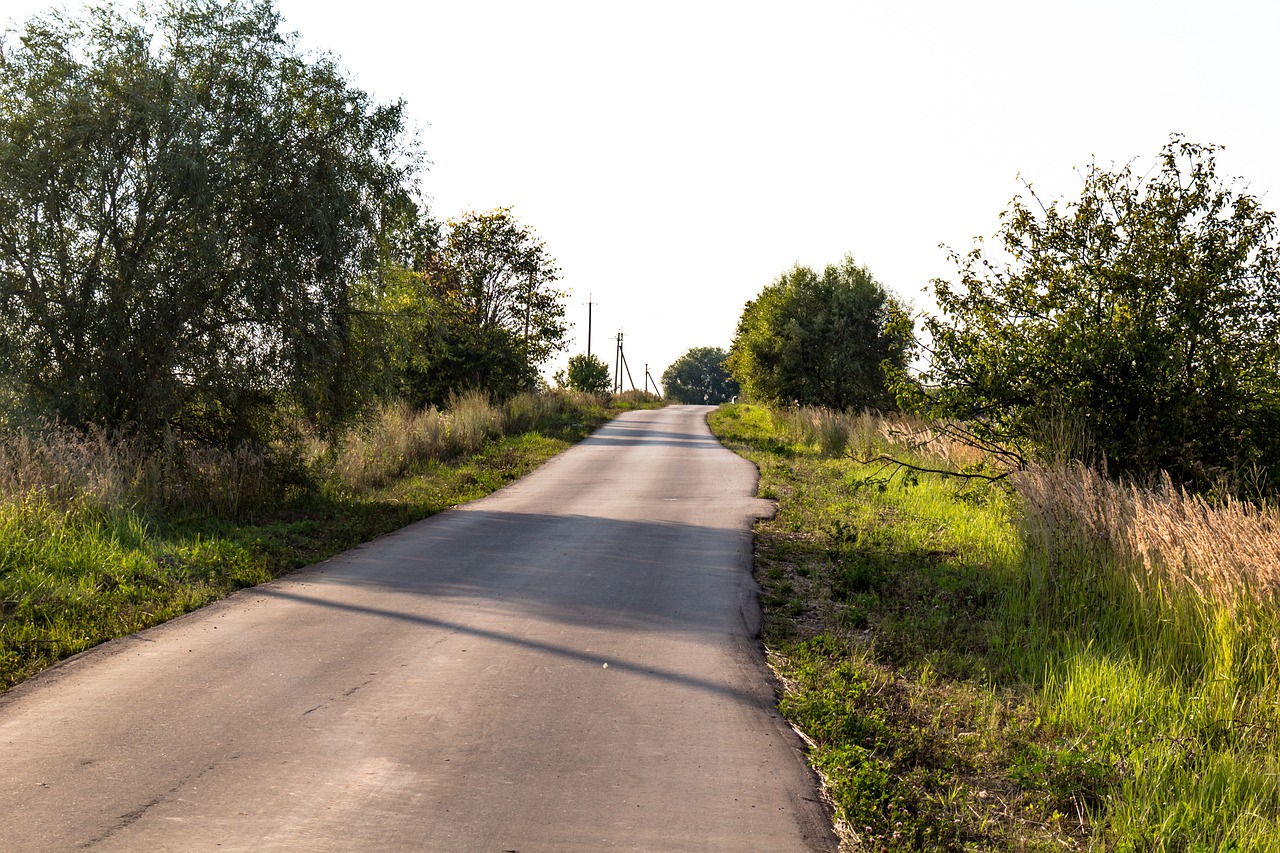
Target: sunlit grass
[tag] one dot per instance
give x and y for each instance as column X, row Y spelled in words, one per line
column 1056, row 662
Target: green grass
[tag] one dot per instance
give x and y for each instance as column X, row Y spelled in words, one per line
column 963, row 691
column 75, row 576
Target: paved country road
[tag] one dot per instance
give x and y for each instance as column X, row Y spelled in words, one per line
column 568, row 664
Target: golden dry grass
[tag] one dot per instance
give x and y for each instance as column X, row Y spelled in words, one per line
column 1170, row 539
column 863, row 434
column 65, row 467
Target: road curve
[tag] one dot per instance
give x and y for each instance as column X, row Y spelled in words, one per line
column 568, row 664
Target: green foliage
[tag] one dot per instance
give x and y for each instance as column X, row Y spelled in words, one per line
column 978, row 670
column 1138, row 325
column 487, row 312
column 586, row 373
column 186, row 206
column 821, row 340
column 879, row 602
column 699, row 377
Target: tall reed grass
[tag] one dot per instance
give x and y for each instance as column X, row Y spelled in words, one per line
column 396, row 437
column 96, row 471
column 1150, row 618
column 1131, row 630
column 865, row 433
column 1165, row 540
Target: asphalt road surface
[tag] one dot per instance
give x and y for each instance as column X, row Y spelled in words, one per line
column 568, row 664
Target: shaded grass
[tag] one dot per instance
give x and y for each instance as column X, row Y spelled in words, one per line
column 76, row 571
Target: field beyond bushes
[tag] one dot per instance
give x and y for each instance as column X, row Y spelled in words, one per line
column 99, row 538
column 1052, row 661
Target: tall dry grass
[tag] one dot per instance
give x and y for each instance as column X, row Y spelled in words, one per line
column 394, row 438
column 864, row 434
column 111, row 473
column 1152, row 617
column 635, row 397
column 95, row 470
column 1167, row 539
column 397, row 437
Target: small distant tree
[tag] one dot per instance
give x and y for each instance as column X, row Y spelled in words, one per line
column 1140, row 324
column 821, row 339
column 699, row 376
column 586, row 373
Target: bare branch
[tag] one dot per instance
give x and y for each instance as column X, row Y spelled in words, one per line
column 967, row 475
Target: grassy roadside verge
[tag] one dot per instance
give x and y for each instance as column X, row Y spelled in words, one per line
column 76, row 571
column 975, row 674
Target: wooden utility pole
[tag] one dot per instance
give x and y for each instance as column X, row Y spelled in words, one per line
column 619, row 365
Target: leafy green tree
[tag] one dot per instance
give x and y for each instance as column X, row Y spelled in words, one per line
column 186, row 204
column 586, row 373
column 496, row 315
column 1142, row 321
column 496, row 274
column 821, row 340
column 699, row 376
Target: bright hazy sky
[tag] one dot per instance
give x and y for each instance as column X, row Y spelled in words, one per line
column 677, row 157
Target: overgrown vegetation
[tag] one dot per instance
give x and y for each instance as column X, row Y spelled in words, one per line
column 207, row 232
column 821, row 340
column 1141, row 320
column 187, row 206
column 1055, row 661
column 101, row 537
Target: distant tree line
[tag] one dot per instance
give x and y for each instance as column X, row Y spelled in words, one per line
column 203, row 229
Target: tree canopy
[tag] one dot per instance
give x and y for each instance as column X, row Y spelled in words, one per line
column 586, row 373
column 186, row 203
column 699, row 377
column 821, row 339
column 492, row 313
column 1139, row 324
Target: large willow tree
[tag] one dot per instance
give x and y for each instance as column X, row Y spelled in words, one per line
column 186, row 204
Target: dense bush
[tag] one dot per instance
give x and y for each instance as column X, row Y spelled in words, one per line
column 1140, row 324
column 821, row 340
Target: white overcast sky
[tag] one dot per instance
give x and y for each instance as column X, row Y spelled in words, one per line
column 677, row 157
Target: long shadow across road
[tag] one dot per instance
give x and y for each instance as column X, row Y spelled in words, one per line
column 569, row 664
